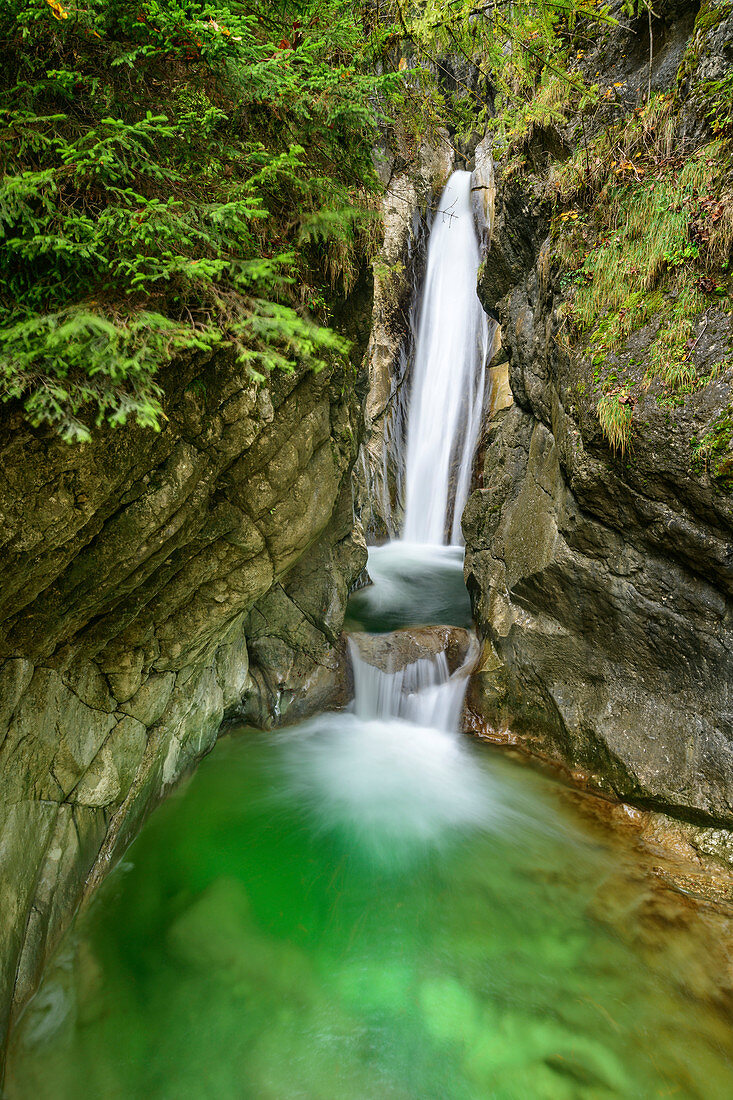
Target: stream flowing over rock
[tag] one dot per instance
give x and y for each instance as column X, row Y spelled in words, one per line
column 447, row 383
column 153, row 584
column 410, row 193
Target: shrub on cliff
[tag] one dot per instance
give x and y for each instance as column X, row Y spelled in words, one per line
column 177, row 175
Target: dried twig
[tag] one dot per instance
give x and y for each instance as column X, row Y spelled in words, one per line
column 704, row 327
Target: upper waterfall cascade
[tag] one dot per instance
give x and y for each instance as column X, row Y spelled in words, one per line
column 447, row 391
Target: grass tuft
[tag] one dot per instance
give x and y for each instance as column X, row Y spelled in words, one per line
column 614, row 416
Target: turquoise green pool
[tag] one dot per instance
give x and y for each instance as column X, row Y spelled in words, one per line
column 345, row 912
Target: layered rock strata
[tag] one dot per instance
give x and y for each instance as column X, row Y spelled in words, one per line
column 152, row 584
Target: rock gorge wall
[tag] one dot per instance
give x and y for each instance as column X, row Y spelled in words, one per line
column 602, row 583
column 153, row 584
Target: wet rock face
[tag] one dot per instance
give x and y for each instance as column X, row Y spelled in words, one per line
column 153, row 583
column 520, row 218
column 601, row 585
column 599, row 643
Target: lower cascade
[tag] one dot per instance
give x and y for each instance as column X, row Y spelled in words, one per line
column 423, row 690
column 371, row 903
column 363, row 906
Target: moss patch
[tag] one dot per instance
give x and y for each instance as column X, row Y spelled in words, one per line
column 714, row 451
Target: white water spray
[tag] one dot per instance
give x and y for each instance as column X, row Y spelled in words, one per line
column 423, row 691
column 447, row 394
column 393, row 773
column 399, row 765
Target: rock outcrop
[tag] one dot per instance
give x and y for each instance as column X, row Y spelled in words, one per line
column 602, row 582
column 153, row 584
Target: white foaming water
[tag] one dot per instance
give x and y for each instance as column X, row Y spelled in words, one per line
column 447, row 395
column 395, row 771
column 394, row 786
column 423, row 692
column 393, row 774
column 391, row 786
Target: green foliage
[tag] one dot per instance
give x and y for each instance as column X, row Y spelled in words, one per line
column 625, row 151
column 644, row 237
column 644, row 249
column 709, row 15
column 547, row 108
column 641, row 234
column 521, row 74
column 178, row 175
column 719, row 104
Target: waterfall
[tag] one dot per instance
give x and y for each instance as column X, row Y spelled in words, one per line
column 423, row 691
column 418, row 579
column 394, row 771
column 447, row 393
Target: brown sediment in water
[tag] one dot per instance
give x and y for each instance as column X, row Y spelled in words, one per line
column 667, row 848
column 664, row 895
